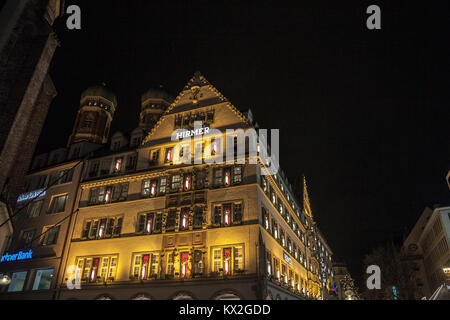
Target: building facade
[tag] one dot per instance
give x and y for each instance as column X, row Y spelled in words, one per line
column 27, row 45
column 427, row 248
column 147, row 226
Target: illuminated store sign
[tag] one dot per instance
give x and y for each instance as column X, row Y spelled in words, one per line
column 31, row 195
column 192, row 133
column 287, row 258
column 17, row 256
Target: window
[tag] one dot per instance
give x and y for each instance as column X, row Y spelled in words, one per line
column 35, row 209
column 145, row 266
column 43, row 279
column 65, row 176
column 237, row 175
column 227, row 176
column 266, row 219
column 102, row 228
column 282, row 238
column 170, row 222
column 228, row 260
column 184, row 265
column 155, row 156
column 184, row 219
column 105, row 166
column 50, row 235
column 98, row 268
column 276, row 268
column 200, row 179
column 198, row 262
column 118, row 164
column 218, row 177
column 169, row 155
column 238, row 263
column 175, row 186
column 274, row 229
column 170, row 266
column 146, row 223
column 131, row 162
column 187, row 182
column 227, row 214
column 17, row 281
column 27, row 237
column 93, row 170
column 269, row 262
column 214, row 146
column 107, row 194
column 198, row 217
column 162, row 186
column 43, row 181
column 149, row 188
column 264, row 184
column 58, row 204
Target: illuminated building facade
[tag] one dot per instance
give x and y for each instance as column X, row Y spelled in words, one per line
column 147, row 227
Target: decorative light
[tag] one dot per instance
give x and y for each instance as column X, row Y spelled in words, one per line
column 5, row 280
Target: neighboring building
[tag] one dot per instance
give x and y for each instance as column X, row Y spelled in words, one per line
column 148, row 227
column 427, row 247
column 339, row 276
column 27, row 45
column 48, row 202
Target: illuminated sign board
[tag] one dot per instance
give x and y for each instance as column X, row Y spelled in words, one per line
column 191, row 133
column 17, row 256
column 31, row 195
column 287, row 258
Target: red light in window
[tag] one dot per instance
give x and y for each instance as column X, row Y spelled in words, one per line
column 144, row 266
column 153, row 189
column 226, row 217
column 185, row 220
column 94, row 269
column 149, row 223
column 227, row 177
column 169, row 155
column 108, row 194
column 184, row 264
column 227, row 261
column 118, row 164
column 187, row 183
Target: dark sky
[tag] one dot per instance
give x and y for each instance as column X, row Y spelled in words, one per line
column 363, row 114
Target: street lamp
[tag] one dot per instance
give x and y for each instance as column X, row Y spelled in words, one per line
column 5, row 280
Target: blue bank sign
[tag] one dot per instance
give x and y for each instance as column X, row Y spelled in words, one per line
column 17, row 256
column 31, row 195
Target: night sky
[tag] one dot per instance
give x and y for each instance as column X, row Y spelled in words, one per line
column 363, row 114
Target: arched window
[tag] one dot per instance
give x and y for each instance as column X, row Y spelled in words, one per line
column 141, row 297
column 183, row 296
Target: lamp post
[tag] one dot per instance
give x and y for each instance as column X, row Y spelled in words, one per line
column 5, row 280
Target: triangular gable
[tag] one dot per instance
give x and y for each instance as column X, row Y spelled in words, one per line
column 197, row 93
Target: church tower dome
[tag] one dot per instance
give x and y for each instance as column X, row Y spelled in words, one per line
column 153, row 103
column 97, row 107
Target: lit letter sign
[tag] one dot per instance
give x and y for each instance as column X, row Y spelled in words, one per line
column 192, row 133
column 17, row 256
column 31, row 195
